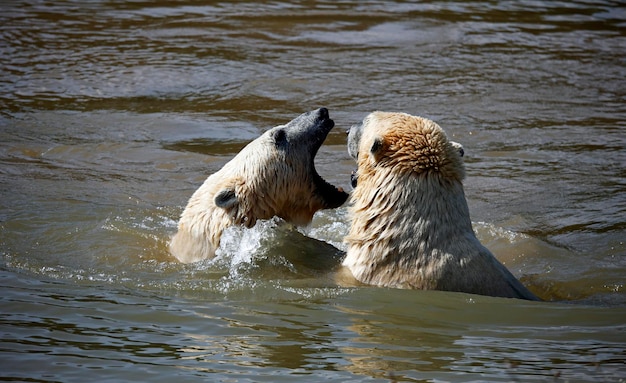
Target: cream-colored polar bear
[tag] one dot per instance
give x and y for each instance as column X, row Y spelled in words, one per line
column 274, row 175
column 411, row 226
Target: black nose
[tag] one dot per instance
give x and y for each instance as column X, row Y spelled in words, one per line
column 322, row 113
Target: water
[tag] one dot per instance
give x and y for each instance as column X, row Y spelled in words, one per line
column 113, row 113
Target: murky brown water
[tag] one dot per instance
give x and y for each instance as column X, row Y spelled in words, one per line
column 113, row 113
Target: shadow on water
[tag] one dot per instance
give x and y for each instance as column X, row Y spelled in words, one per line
column 206, row 146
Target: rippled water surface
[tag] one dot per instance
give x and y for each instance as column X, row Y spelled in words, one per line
column 113, row 113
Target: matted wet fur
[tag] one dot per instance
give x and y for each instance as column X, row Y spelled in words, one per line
column 273, row 175
column 410, row 225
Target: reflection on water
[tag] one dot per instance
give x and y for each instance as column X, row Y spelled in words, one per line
column 113, row 113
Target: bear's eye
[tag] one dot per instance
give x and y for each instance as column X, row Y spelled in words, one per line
column 280, row 137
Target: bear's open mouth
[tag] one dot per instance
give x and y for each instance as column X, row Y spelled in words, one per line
column 332, row 196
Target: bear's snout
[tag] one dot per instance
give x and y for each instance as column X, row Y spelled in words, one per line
column 322, row 113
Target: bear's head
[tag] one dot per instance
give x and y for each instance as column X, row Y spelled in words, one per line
column 405, row 144
column 276, row 175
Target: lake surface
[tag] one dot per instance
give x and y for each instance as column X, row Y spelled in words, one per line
column 113, row 113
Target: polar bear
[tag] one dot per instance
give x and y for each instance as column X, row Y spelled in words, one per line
column 274, row 175
column 410, row 223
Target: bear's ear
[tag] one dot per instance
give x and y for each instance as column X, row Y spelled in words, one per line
column 280, row 137
column 226, row 198
column 377, row 148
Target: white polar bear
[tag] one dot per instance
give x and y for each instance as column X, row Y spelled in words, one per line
column 410, row 224
column 274, row 175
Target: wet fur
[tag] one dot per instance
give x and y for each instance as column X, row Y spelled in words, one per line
column 269, row 177
column 411, row 226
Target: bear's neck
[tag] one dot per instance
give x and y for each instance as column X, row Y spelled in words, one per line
column 404, row 223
